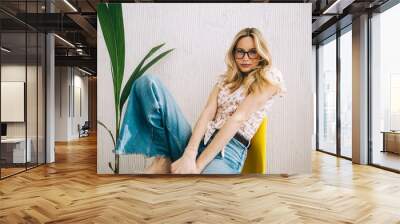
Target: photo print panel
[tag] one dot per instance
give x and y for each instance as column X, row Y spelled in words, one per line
column 205, row 88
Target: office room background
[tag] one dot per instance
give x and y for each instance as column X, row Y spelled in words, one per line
column 22, row 77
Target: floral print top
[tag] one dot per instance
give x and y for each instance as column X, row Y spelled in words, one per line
column 227, row 104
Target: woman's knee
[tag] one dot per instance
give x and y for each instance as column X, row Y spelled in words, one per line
column 145, row 81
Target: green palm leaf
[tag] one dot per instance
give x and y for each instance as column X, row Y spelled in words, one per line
column 140, row 71
column 155, row 60
column 112, row 25
column 108, row 130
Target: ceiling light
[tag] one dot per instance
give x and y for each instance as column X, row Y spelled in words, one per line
column 5, row 50
column 84, row 71
column 64, row 40
column 331, row 7
column 70, row 5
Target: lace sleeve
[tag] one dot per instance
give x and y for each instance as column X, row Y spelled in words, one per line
column 276, row 77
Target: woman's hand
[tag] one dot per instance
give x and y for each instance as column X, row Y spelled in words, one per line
column 186, row 164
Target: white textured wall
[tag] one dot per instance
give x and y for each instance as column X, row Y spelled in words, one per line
column 66, row 121
column 201, row 35
column 62, row 81
column 80, row 83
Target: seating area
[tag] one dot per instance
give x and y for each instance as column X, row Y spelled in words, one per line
column 84, row 129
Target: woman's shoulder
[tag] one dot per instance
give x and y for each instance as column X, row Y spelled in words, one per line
column 220, row 81
column 275, row 74
column 276, row 78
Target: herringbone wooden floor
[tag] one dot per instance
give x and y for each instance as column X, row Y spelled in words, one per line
column 70, row 191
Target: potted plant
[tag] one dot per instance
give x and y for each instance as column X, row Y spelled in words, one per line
column 112, row 26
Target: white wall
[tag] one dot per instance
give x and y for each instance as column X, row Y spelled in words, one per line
column 61, row 103
column 16, row 72
column 50, row 94
column 80, row 83
column 67, row 80
column 201, row 35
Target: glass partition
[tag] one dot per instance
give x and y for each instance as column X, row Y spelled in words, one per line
column 22, row 77
column 14, row 153
column 41, row 107
column 32, row 95
column 327, row 96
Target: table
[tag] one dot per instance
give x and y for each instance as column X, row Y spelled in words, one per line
column 16, row 147
column 391, row 141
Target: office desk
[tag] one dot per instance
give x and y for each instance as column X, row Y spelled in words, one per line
column 15, row 148
column 391, row 141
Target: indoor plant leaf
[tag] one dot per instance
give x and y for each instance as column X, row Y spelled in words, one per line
column 139, row 71
column 112, row 25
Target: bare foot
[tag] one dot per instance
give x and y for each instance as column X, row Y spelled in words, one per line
column 160, row 165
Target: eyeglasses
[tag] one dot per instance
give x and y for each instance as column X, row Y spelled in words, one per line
column 239, row 53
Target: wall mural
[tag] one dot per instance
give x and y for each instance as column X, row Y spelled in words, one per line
column 221, row 100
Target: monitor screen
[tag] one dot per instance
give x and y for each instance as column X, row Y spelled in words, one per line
column 3, row 129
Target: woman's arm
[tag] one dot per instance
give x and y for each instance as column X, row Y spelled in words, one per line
column 200, row 127
column 250, row 104
column 187, row 162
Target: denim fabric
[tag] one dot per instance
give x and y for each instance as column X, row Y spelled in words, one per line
column 231, row 163
column 154, row 125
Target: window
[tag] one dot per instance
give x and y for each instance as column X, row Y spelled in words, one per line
column 346, row 76
column 385, row 88
column 327, row 96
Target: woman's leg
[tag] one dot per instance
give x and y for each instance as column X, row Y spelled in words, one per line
column 153, row 124
column 218, row 166
column 231, row 163
column 160, row 165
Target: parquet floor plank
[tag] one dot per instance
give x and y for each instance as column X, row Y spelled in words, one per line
column 70, row 191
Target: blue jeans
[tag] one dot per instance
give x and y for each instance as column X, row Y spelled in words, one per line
column 154, row 125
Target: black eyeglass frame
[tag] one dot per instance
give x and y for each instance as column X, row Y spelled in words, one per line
column 244, row 53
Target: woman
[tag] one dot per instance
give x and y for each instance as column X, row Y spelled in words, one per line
column 154, row 125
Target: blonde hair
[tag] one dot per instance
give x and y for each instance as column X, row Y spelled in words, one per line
column 258, row 78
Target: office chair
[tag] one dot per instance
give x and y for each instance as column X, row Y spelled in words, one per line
column 256, row 161
column 84, row 130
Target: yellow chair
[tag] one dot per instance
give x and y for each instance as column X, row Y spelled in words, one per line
column 256, row 161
